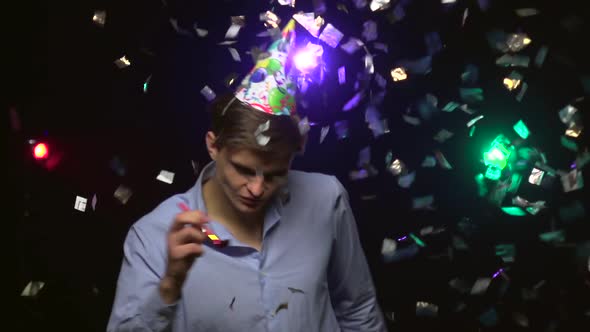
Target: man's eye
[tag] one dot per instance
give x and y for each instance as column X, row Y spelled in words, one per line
column 245, row 171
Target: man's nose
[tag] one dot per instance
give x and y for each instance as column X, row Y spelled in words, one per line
column 256, row 186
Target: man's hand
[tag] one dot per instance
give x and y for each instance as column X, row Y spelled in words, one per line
column 185, row 243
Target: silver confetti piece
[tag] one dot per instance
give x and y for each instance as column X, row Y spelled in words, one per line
column 93, row 202
column 405, row 181
column 341, row 128
column 122, row 62
column 165, row 176
column 323, row 133
column 536, row 176
column 200, row 32
column 397, row 167
column 354, row 101
column 304, row 126
column 398, row 74
column 287, row 3
column 425, row 309
column 554, row 237
column 80, row 203
column 574, row 130
column 411, row 120
column 388, row 246
column 423, row 203
column 517, row 41
column 567, row 113
column 227, row 42
column 572, row 181
column 32, row 288
column 311, row 23
column 232, row 31
column 474, row 120
column 369, row 66
column 331, row 36
column 177, row 28
column 234, row 54
column 99, row 18
column 471, row 95
column 450, row 106
column 360, row 3
column 369, row 31
column 443, row 135
column 480, row 286
column 512, row 81
column 208, row 93
column 341, row 75
column 377, row 5
column 429, row 161
column 442, row 161
column 352, row 45
column 526, row 12
column 261, row 139
column 381, row 46
column 513, row 60
column 122, row 194
column 506, row 252
column 270, row 19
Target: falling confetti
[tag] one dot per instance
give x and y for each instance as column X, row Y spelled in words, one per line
column 99, row 18
column 80, row 203
column 165, row 176
column 208, row 93
column 331, row 36
column 122, row 62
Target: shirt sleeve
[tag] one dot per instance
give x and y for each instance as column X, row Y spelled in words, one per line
column 351, row 286
column 138, row 305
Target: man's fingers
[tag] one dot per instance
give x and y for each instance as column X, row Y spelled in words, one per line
column 187, row 235
column 195, row 218
column 189, row 250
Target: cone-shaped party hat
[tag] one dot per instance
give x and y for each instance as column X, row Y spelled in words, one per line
column 268, row 87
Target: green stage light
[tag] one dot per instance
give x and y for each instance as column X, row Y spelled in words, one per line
column 493, row 173
column 496, row 158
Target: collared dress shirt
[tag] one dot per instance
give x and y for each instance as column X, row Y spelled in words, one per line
column 310, row 275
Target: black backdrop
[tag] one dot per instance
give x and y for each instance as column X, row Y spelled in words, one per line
column 66, row 91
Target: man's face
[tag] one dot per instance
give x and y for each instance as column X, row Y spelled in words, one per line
column 248, row 180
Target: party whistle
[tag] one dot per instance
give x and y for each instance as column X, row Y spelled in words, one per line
column 212, row 236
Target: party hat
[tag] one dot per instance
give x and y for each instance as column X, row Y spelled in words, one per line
column 268, row 87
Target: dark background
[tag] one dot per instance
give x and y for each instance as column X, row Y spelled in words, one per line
column 66, row 91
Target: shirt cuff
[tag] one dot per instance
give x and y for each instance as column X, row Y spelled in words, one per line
column 156, row 313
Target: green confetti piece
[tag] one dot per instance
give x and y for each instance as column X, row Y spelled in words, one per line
column 514, row 211
column 521, row 129
column 417, row 240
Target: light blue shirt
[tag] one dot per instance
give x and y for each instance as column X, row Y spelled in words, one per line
column 311, row 274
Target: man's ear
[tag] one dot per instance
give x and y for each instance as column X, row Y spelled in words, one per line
column 303, row 144
column 211, row 148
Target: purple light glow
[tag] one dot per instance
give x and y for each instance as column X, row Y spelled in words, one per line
column 402, row 238
column 306, row 58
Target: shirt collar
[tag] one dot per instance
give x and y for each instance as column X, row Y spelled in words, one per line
column 273, row 213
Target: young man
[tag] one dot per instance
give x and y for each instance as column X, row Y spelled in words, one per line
column 292, row 260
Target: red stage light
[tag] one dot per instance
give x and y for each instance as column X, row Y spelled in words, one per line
column 40, row 151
